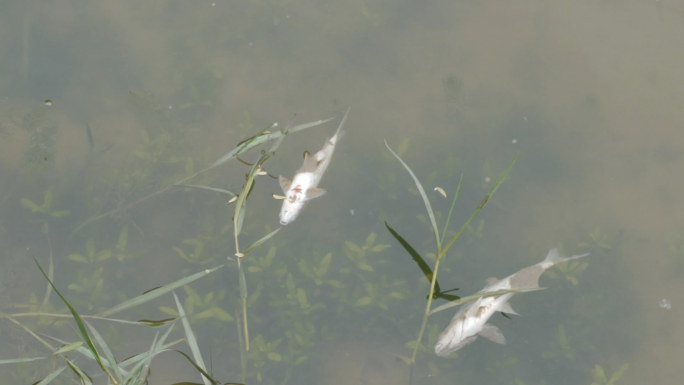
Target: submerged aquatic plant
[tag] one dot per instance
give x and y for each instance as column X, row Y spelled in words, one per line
column 600, row 377
column 93, row 347
column 93, row 283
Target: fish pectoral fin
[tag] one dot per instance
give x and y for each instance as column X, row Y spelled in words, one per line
column 314, row 192
column 507, row 309
column 284, row 183
column 493, row 334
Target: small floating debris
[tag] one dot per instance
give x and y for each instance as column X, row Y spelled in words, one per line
column 665, row 304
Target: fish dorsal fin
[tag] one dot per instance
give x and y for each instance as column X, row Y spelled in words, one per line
column 310, row 163
column 314, row 192
column 507, row 309
column 493, row 334
column 284, row 183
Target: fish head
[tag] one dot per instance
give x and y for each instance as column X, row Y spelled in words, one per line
column 290, row 210
column 462, row 329
column 468, row 323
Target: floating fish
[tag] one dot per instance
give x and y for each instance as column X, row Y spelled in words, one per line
column 471, row 320
column 304, row 185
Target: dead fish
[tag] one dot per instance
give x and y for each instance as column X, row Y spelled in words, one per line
column 471, row 320
column 304, row 185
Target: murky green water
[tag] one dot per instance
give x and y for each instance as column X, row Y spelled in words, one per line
column 143, row 95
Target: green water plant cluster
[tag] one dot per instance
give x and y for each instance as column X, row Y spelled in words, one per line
column 93, row 283
column 279, row 309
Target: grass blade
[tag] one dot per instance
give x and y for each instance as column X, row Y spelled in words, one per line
column 424, row 267
column 451, row 209
column 247, row 144
column 142, row 361
column 426, row 201
column 417, row 258
column 192, row 342
column 207, row 376
column 150, row 295
column 263, row 137
column 478, row 208
column 243, row 299
column 69, row 347
column 79, row 323
column 260, row 241
column 106, row 351
column 30, row 332
column 84, row 377
column 238, row 216
column 48, row 379
column 20, row 360
column 208, row 188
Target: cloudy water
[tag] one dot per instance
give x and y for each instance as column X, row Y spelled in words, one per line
column 105, row 107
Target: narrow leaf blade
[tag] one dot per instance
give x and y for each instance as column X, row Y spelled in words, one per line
column 150, row 295
column 423, row 195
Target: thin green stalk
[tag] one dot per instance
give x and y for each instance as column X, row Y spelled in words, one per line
column 426, row 201
column 428, row 306
column 243, row 298
column 451, row 209
column 51, row 264
column 478, row 209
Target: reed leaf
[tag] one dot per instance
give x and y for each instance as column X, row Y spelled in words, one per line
column 107, row 352
column 204, row 373
column 48, row 379
column 417, row 258
column 423, row 195
column 140, row 370
column 140, row 362
column 79, row 323
column 69, row 347
column 84, row 377
column 261, row 240
column 451, row 209
column 20, row 360
column 208, row 188
column 263, row 137
column 479, row 208
column 150, row 295
column 192, row 342
column 30, row 332
column 240, row 204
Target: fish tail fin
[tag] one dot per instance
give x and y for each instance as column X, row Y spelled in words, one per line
column 554, row 257
column 339, row 131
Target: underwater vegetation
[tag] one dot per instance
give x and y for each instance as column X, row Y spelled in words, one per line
column 274, row 301
column 94, row 284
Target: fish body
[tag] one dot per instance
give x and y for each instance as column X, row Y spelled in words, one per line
column 304, row 185
column 471, row 320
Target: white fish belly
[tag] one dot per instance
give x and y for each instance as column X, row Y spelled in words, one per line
column 296, row 196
